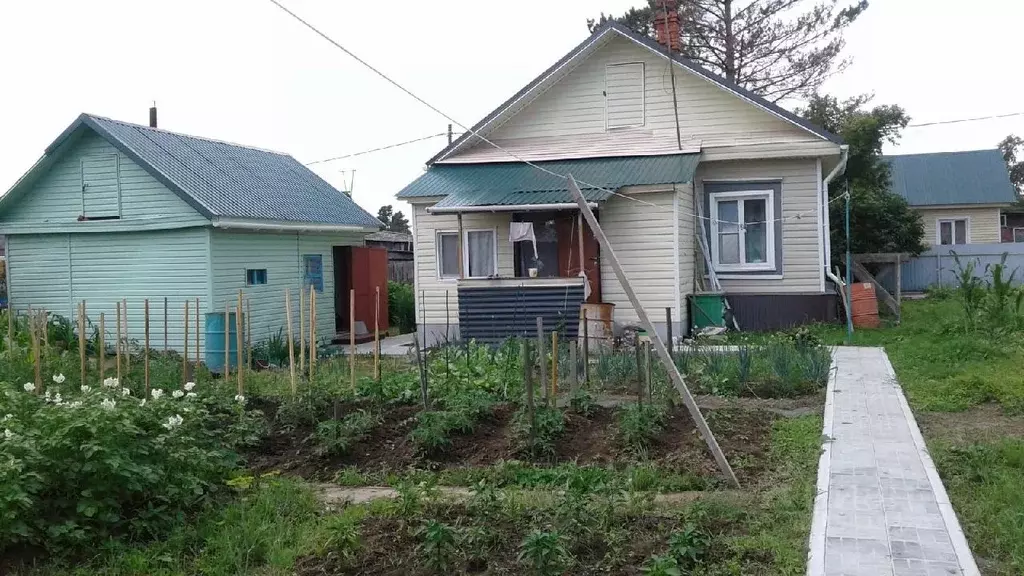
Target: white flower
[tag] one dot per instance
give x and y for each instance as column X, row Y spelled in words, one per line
column 189, row 386
column 59, row 378
column 74, row 404
column 84, row 388
column 57, row 399
column 29, row 387
column 46, row 396
column 156, row 393
column 240, row 399
column 173, row 421
column 177, row 394
column 108, row 404
column 8, row 434
column 6, row 417
column 125, row 391
column 142, row 402
column 111, row 382
column 191, row 395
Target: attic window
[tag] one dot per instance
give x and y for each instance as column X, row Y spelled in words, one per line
column 624, row 95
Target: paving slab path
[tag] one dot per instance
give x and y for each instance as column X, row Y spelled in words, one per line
column 880, row 509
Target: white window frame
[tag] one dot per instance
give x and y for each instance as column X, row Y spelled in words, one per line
column 643, row 96
column 1015, row 233
column 1002, row 220
column 952, row 221
column 437, row 253
column 465, row 251
column 740, row 195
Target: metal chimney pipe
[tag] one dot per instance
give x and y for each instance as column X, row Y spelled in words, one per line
column 152, row 115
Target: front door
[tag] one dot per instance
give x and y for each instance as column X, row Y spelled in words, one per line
column 569, row 261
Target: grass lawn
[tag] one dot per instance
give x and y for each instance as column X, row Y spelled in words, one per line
column 967, row 393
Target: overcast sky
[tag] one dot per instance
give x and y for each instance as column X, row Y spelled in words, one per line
column 243, row 71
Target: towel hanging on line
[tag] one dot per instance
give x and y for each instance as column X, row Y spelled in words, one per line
column 521, row 232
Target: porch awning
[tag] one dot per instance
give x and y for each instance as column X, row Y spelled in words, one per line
column 519, row 184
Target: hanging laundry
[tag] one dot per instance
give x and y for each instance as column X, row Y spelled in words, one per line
column 521, row 232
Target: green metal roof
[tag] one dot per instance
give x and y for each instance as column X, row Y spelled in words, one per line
column 518, row 183
column 972, row 177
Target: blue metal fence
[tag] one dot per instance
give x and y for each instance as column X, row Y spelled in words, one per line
column 937, row 267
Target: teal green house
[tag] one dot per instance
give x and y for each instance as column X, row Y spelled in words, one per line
column 118, row 211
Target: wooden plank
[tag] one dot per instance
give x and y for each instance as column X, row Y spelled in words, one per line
column 881, row 257
column 861, row 274
column 677, row 379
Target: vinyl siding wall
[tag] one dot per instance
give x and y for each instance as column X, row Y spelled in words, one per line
column 56, row 271
column 802, row 269
column 54, row 203
column 281, row 255
column 575, row 106
column 983, row 227
column 431, row 290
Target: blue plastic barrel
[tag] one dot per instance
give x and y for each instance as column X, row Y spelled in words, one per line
column 215, row 341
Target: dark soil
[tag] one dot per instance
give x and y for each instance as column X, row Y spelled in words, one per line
column 743, row 433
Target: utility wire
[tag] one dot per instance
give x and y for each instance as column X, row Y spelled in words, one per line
column 388, row 147
column 961, row 120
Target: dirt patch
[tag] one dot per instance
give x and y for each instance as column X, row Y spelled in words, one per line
column 983, row 423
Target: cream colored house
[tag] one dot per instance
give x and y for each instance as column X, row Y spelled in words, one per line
column 960, row 195
column 665, row 152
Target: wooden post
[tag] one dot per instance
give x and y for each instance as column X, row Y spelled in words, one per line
column 302, row 331
column 248, row 333
column 184, row 356
column 291, row 343
column 639, row 370
column 583, row 258
column 127, row 339
column 540, row 357
column 899, row 289
column 198, row 339
column 574, row 374
column 165, row 324
column 239, row 346
column 312, row 332
column 227, row 341
column 102, row 347
column 117, row 345
column 668, row 329
column 352, row 337
column 10, row 324
column 460, row 249
column 608, row 253
column 32, row 328
column 45, row 328
column 586, row 348
column 376, row 335
column 81, row 338
column 423, row 373
column 145, row 353
column 648, row 375
column 554, row 368
column 528, row 382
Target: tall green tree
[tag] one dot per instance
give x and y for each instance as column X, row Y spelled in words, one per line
column 880, row 220
column 1011, row 147
column 393, row 221
column 777, row 49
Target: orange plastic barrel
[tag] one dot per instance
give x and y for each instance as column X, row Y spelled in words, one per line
column 864, row 305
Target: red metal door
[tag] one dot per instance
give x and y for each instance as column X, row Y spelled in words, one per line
column 369, row 272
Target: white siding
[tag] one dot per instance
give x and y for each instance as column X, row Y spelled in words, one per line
column 39, row 272
column 687, row 240
column 802, row 268
column 430, row 290
column 624, row 92
column 643, row 237
column 982, row 228
column 575, row 106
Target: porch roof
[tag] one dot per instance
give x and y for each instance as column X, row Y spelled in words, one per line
column 518, row 183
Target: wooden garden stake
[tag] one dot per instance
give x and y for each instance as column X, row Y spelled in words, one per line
column 239, row 346
column 197, row 331
column 102, row 347
column 184, row 356
column 44, row 327
column 248, row 332
column 639, row 367
column 145, row 353
column 647, row 371
column 117, row 346
column 302, row 331
column 35, row 353
column 312, row 332
column 227, row 341
column 423, row 374
column 127, row 345
column 608, row 255
column 10, row 325
column 554, row 368
column 291, row 343
column 668, row 328
column 165, row 325
column 540, row 357
column 81, row 337
column 586, row 348
column 574, row 375
column 352, row 337
column 376, row 335
column 524, row 351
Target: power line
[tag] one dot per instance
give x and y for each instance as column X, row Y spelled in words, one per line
column 961, row 120
column 388, row 147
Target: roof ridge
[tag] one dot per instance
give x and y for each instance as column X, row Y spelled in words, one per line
column 942, row 152
column 184, row 135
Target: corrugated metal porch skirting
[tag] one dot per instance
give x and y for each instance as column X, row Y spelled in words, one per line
column 494, row 314
column 757, row 312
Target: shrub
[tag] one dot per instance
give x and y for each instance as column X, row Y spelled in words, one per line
column 549, row 423
column 582, row 402
column 336, row 437
column 82, row 467
column 402, row 306
column 545, row 553
column 689, row 545
column 437, row 546
column 661, row 566
column 640, row 424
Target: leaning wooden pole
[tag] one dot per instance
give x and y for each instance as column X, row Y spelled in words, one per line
column 291, row 342
column 608, row 254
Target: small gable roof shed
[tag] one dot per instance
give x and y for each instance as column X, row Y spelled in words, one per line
column 951, row 178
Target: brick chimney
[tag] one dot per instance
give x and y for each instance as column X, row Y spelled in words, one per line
column 667, row 32
column 152, row 115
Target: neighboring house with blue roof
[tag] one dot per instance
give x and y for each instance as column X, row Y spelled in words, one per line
column 746, row 175
column 121, row 211
column 961, row 196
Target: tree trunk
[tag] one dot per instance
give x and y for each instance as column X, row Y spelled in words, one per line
column 730, row 42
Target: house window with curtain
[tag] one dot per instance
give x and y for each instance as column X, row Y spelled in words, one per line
column 481, row 253
column 952, row 231
column 743, row 230
column 447, row 254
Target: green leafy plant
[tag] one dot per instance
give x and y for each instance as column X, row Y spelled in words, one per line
column 437, row 546
column 1002, row 304
column 336, row 437
column 970, row 290
column 402, row 306
column 548, row 425
column 545, row 553
column 306, row 408
column 582, row 402
column 689, row 545
column 640, row 424
column 661, row 566
column 342, row 536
